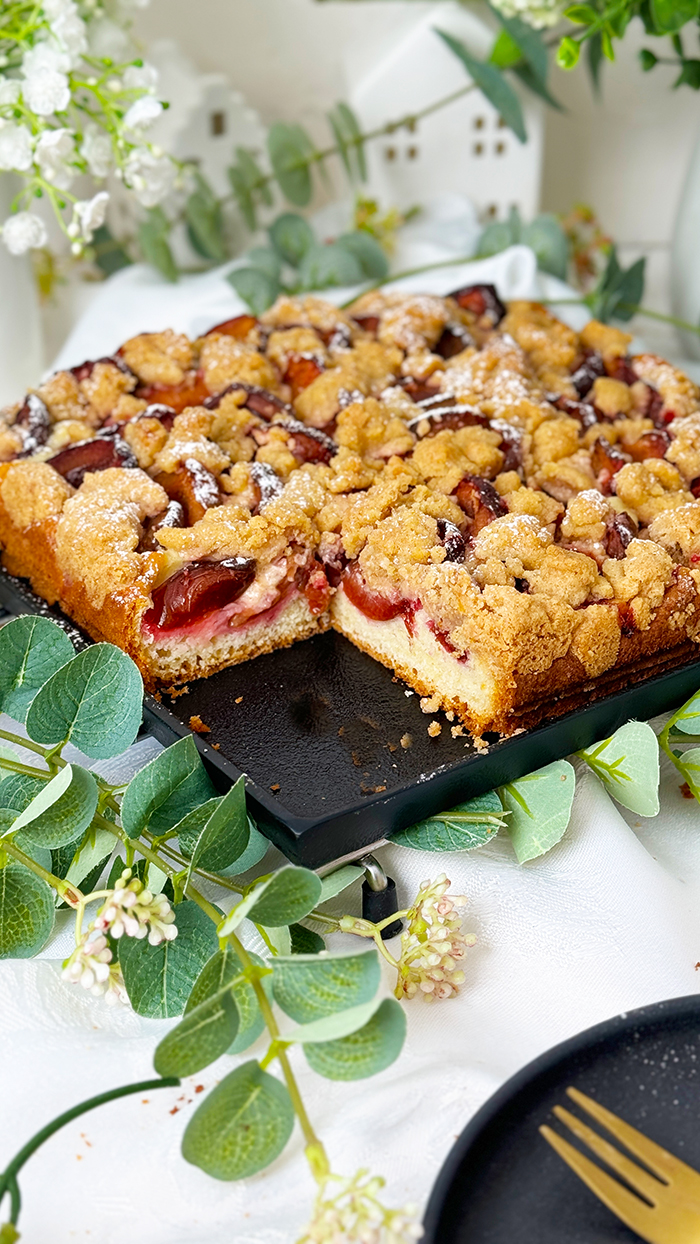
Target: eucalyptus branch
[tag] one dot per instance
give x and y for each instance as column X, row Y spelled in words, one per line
column 68, row 892
column 8, row 1177
column 20, row 741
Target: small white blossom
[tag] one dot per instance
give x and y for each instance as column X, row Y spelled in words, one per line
column 433, row 945
column 96, row 149
column 150, row 176
column 23, row 232
column 46, row 91
column 90, row 965
column 45, row 57
column 132, row 911
column 9, row 91
column 89, row 214
column 142, row 113
column 537, row 13
column 15, row 147
column 141, row 77
column 52, row 152
column 353, row 1215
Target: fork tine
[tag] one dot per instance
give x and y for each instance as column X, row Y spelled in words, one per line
column 628, row 1207
column 659, row 1160
column 637, row 1178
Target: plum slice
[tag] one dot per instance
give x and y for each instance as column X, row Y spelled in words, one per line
column 302, row 370
column 588, row 372
column 441, row 413
column 621, row 368
column 258, row 400
column 368, row 323
column 172, row 516
column 267, row 484
column 105, row 451
column 194, row 486
column 34, row 422
column 649, row 445
column 452, row 540
column 480, row 502
column 377, row 606
column 454, row 339
column 306, row 443
column 481, row 300
column 606, row 461
column 190, row 392
column 164, row 414
column 84, row 370
column 198, row 589
column 620, row 529
column 583, row 411
column 238, row 327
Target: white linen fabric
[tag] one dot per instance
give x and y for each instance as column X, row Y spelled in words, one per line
column 606, row 922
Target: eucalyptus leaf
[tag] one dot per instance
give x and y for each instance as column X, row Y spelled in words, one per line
column 545, row 236
column 205, row 222
column 224, row 969
column 287, row 897
column 354, row 143
column 368, row 253
column 26, row 912
column 60, row 812
column 18, row 790
column 289, row 147
column 291, row 237
column 159, row 979
column 257, row 849
column 266, row 259
column 460, row 829
column 279, row 937
column 166, row 789
column 257, row 288
column 31, row 650
column 93, row 702
column 110, row 254
column 202, row 1036
column 332, row 1027
column 491, row 83
column 241, row 1126
column 323, row 266
column 528, row 40
column 687, row 721
column 366, row 1051
column 690, row 762
column 92, row 856
column 495, row 238
column 533, row 83
column 540, row 808
column 304, row 941
column 339, row 880
column 40, row 855
column 216, row 833
column 628, row 766
column 153, row 236
column 309, row 987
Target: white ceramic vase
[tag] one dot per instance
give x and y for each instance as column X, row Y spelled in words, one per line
column 21, row 359
column 685, row 256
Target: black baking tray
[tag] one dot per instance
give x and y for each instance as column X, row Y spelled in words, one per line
column 317, row 730
column 502, row 1184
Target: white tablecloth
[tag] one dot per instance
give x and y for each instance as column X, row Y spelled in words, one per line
column 607, row 921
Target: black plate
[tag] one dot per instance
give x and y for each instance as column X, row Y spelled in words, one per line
column 503, row 1184
column 317, row 728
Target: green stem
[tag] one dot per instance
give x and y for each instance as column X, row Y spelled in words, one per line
column 314, row 1149
column 9, row 1175
column 20, row 741
column 634, row 307
column 15, row 767
column 69, row 893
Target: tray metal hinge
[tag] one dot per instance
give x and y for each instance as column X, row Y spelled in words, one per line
column 379, row 897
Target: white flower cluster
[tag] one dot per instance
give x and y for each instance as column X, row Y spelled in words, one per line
column 132, row 911
column 91, row 966
column 128, row 911
column 537, row 13
column 433, row 945
column 355, row 1216
column 48, row 141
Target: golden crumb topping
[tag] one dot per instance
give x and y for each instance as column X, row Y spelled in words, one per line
column 555, row 439
column 224, row 359
column 612, row 343
column 33, row 492
column 684, row 450
column 596, row 639
column 550, row 343
column 105, row 385
column 189, row 438
column 63, row 399
column 158, row 358
column 308, row 311
column 371, row 430
column 640, row 579
column 146, row 437
column 679, row 392
column 611, row 397
column 100, row 528
column 678, row 531
column 648, row 488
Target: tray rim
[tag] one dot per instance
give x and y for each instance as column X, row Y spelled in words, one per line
column 685, row 1005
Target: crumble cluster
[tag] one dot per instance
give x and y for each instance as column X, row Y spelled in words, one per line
column 535, row 490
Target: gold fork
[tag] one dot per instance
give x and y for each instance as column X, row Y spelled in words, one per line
column 670, row 1210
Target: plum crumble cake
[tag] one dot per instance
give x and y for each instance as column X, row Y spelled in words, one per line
column 503, row 511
